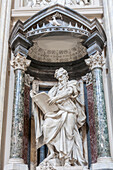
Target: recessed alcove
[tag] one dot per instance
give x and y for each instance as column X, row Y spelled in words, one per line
column 55, row 50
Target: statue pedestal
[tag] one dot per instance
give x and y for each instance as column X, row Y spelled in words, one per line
column 16, row 167
column 16, row 164
column 62, row 168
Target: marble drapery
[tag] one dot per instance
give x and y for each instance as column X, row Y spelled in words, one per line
column 60, row 129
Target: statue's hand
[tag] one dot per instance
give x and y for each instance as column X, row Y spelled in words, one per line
column 52, row 101
column 32, row 93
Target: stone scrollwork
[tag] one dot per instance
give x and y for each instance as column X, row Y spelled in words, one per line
column 95, row 61
column 20, row 62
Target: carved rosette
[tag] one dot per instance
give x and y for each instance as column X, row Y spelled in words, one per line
column 28, row 79
column 20, row 63
column 95, row 61
column 87, row 78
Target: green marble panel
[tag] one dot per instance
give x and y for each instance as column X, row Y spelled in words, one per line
column 18, row 116
column 100, row 114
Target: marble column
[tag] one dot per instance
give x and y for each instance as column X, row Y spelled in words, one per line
column 95, row 63
column 20, row 64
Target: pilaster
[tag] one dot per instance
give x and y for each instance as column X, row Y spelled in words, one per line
column 5, row 13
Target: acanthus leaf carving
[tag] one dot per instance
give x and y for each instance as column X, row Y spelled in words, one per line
column 87, row 78
column 95, row 61
column 20, row 62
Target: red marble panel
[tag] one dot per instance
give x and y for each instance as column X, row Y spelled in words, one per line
column 26, row 122
column 93, row 140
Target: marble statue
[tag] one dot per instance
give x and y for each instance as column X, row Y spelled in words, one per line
column 60, row 129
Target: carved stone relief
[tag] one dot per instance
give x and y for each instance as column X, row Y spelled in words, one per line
column 34, row 3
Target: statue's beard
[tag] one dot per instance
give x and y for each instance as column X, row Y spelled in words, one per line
column 62, row 83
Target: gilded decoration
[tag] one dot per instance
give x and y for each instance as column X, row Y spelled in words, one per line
column 20, row 62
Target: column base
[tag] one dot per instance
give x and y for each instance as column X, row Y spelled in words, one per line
column 103, row 163
column 16, row 164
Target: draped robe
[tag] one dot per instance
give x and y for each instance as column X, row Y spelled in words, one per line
column 61, row 128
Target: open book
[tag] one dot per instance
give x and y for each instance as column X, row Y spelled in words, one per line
column 41, row 99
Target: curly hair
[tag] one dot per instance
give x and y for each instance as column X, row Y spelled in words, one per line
column 62, row 71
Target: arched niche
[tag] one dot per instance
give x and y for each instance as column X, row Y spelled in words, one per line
column 55, row 37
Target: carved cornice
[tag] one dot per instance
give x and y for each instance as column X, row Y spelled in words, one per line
column 95, row 61
column 20, row 62
column 28, row 79
column 87, row 78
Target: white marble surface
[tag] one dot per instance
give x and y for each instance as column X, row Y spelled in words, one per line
column 16, row 167
column 64, row 168
column 64, row 112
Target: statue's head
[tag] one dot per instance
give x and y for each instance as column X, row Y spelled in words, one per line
column 61, row 74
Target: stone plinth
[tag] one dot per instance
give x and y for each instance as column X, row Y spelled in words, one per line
column 62, row 168
column 103, row 163
column 16, row 167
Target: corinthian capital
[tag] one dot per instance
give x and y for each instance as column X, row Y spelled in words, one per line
column 28, row 79
column 95, row 61
column 20, row 62
column 87, row 78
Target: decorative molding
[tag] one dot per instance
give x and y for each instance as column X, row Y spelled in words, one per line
column 92, row 11
column 87, row 78
column 54, row 26
column 20, row 62
column 34, row 3
column 95, row 61
column 28, row 79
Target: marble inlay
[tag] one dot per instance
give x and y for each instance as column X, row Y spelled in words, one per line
column 18, row 116
column 100, row 114
column 92, row 129
column 26, row 123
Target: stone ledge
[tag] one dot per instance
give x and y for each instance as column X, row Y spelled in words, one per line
column 102, row 166
column 62, row 168
column 15, row 166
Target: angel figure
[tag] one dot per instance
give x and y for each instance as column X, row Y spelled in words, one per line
column 59, row 129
